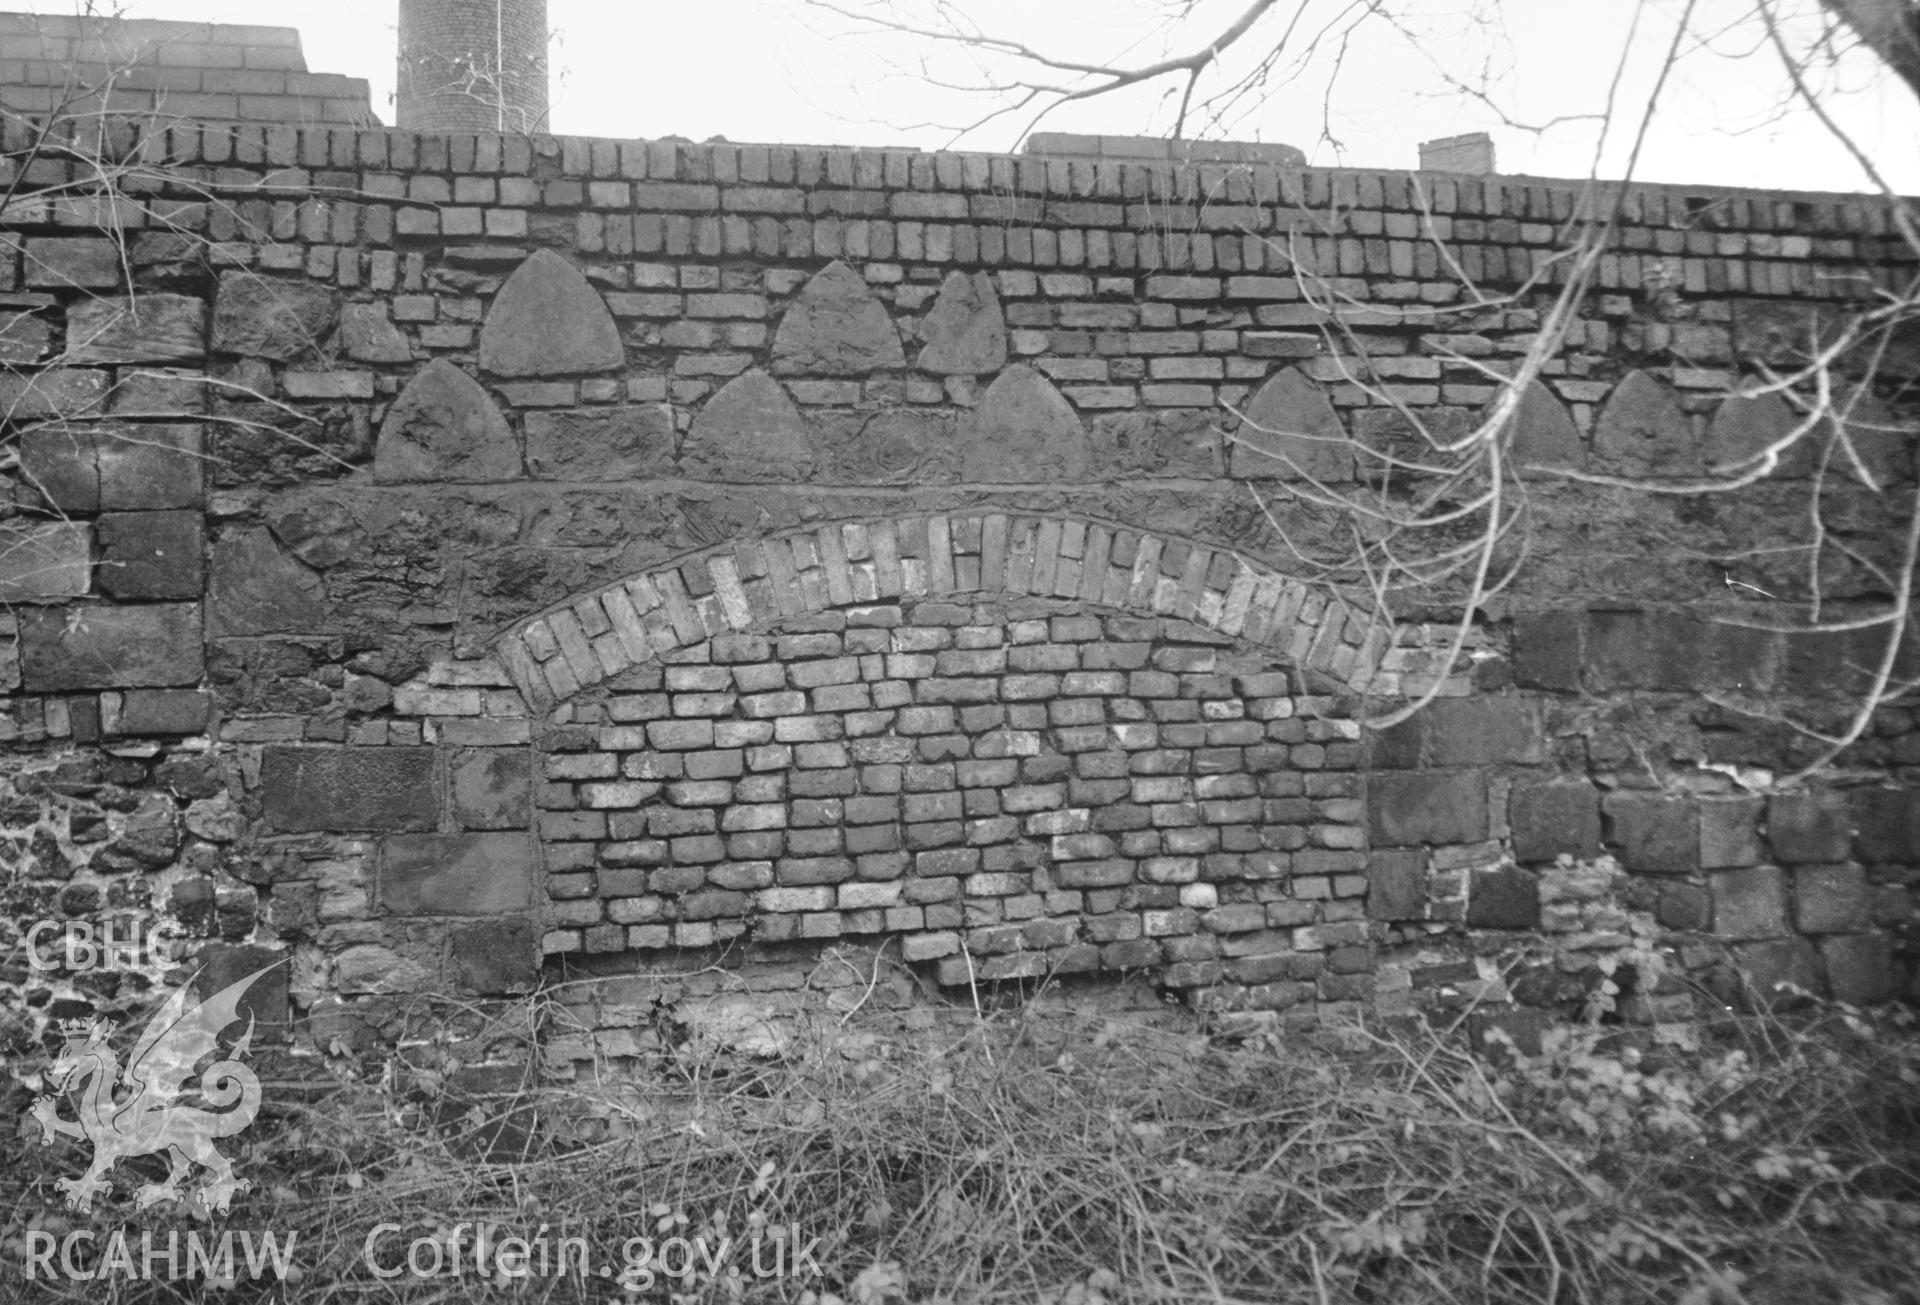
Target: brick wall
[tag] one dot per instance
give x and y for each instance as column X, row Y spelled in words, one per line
column 187, row 71
column 462, row 559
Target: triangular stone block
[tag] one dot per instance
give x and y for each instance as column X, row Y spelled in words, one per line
column 1543, row 432
column 1744, row 424
column 965, row 331
column 1025, row 431
column 835, row 327
column 1291, row 432
column 1882, row 441
column 749, row 430
column 445, row 427
column 547, row 321
column 1643, row 432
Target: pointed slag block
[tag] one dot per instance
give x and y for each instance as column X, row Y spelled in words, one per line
column 1881, row 440
column 1024, row 431
column 835, row 327
column 547, row 321
column 1543, row 432
column 445, row 427
column 749, row 430
column 966, row 333
column 1744, row 424
column 1643, row 432
column 1291, row 432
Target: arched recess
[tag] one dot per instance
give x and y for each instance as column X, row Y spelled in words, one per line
column 736, row 587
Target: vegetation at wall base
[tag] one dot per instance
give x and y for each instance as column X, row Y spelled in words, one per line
column 1043, row 1155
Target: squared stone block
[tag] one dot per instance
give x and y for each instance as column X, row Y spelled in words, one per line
column 73, row 262
column 492, row 788
column 148, row 712
column 152, row 554
column 44, row 562
column 1770, row 969
column 1427, row 807
column 1831, row 899
column 1749, row 903
column 155, row 645
column 455, row 874
column 495, row 958
column 1730, row 832
column 1886, row 825
column 115, row 468
column 1808, row 827
column 1860, row 967
column 1484, row 731
column 1656, row 834
column 265, row 1000
column 1549, row 819
column 348, row 789
column 147, row 328
column 1506, row 898
column 1397, row 884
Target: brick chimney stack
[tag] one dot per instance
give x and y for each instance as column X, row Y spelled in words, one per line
column 473, row 65
column 1471, row 154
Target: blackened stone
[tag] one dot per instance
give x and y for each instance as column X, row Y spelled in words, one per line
column 1770, row 969
column 1550, row 819
column 1161, row 442
column 1642, row 430
column 1506, row 898
column 1427, row 807
column 1804, row 827
column 151, row 712
column 900, row 446
column 115, row 468
column 152, row 554
column 1291, row 432
column 1831, row 899
column 264, row 1001
column 257, row 588
column 1397, row 884
column 495, row 957
column 44, row 562
column 1887, row 824
column 1655, row 834
column 601, row 444
column 492, row 788
column 1547, row 650
column 348, row 789
column 1543, row 431
column 965, row 331
column 1024, row 431
column 266, row 318
column 835, row 327
column 1484, row 731
column 1687, row 907
column 98, row 647
column 455, row 874
column 548, row 321
column 148, row 328
column 1730, row 832
column 1860, row 967
column 445, row 427
column 1749, row 903
column 749, row 430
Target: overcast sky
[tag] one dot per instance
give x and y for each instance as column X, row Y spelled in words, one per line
column 772, row 70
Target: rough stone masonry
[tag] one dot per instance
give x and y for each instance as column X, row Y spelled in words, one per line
column 458, row 561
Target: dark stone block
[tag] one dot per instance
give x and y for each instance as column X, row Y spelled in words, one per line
column 1549, row 819
column 1768, row 969
column 348, row 789
column 601, row 444
column 548, row 321
column 265, row 1000
column 1749, row 903
column 148, row 328
column 1686, row 907
column 1547, row 651
column 1860, row 967
column 835, row 327
column 455, row 874
column 1831, row 899
column 1484, row 731
column 1886, row 825
column 1291, row 432
column 145, row 712
column 268, row 318
column 44, row 561
column 1730, row 832
column 1506, row 898
column 1400, row 747
column 1397, row 884
column 749, row 430
column 965, row 330
column 445, row 427
column 257, row 588
column 152, row 554
column 1024, row 430
column 1642, row 430
column 98, row 647
column 1427, row 807
column 1655, row 834
column 495, row 957
column 492, row 788
column 1806, row 827
column 146, row 469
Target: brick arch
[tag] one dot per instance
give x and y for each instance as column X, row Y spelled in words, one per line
column 748, row 584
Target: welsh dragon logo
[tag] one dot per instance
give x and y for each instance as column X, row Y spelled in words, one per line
column 138, row 1111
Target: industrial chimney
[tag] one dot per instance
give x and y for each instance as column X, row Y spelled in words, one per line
column 473, row 65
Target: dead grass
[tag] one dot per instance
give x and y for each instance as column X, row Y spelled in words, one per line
column 1049, row 1157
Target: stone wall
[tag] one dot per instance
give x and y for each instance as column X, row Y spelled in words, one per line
column 458, row 560
column 201, row 72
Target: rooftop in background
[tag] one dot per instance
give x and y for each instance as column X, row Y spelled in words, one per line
column 210, row 72
column 1154, row 149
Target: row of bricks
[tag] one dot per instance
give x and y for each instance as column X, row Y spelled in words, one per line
column 274, row 147
column 756, row 583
